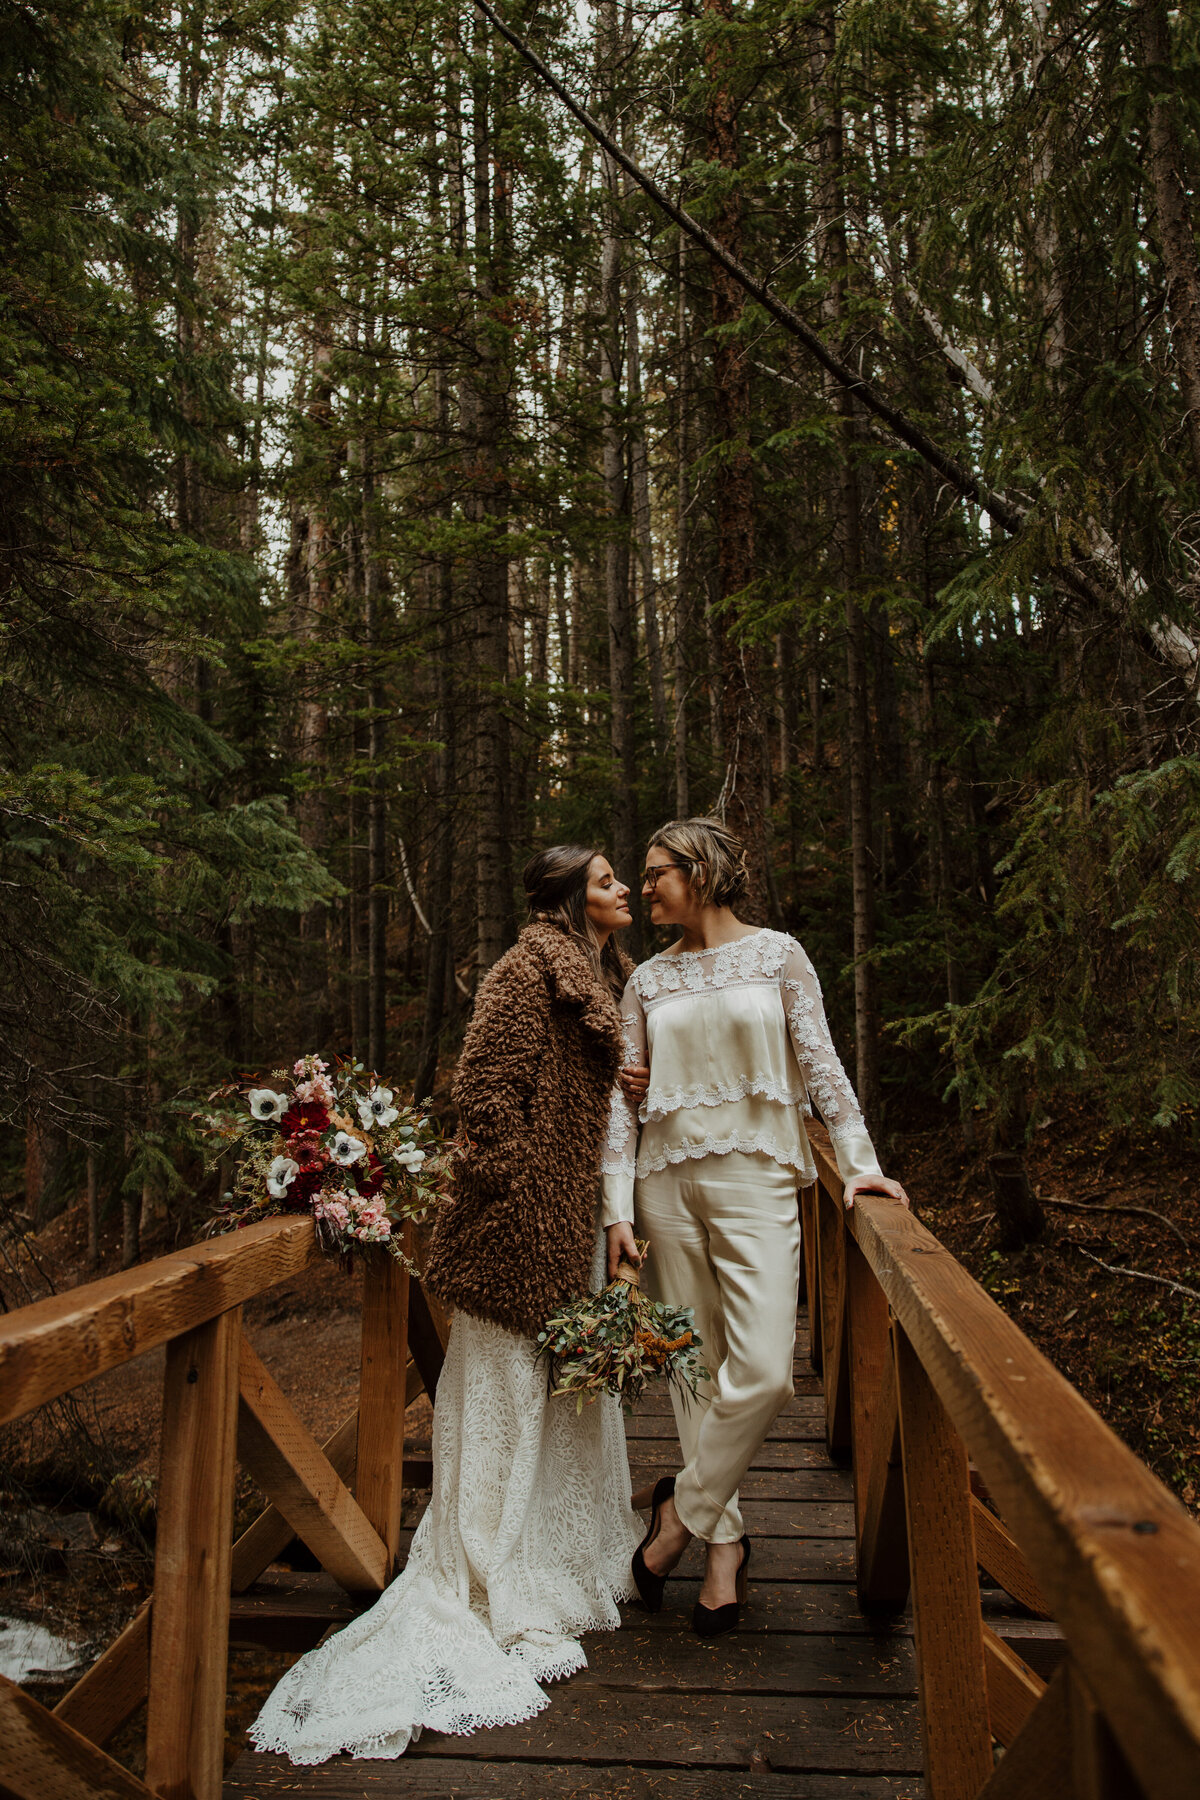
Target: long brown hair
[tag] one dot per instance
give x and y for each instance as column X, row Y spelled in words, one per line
column 556, row 883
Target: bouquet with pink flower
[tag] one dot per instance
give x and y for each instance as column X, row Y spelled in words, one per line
column 329, row 1141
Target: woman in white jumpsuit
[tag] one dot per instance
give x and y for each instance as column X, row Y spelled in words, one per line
column 730, row 1024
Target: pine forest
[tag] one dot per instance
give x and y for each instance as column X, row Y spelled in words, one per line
column 392, row 486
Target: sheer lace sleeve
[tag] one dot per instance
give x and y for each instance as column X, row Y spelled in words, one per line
column 825, row 1078
column 620, row 1148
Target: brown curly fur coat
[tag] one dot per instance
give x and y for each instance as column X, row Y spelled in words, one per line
column 533, row 1088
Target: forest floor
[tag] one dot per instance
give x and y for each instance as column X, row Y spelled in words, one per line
column 1131, row 1346
column 77, row 1480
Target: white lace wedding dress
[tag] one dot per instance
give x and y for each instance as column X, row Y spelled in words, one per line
column 526, row 1543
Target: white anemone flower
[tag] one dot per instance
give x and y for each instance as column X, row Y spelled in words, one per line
column 280, row 1176
column 346, row 1150
column 265, row 1103
column 409, row 1157
column 377, row 1108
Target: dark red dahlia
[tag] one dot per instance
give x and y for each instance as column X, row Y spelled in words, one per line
column 304, row 1189
column 305, row 1116
column 370, row 1179
column 306, row 1149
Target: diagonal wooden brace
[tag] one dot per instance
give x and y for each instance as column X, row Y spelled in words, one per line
column 1038, row 1761
column 1013, row 1688
column 289, row 1465
column 41, row 1756
column 1003, row 1559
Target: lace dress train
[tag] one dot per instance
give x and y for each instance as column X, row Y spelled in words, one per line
column 526, row 1543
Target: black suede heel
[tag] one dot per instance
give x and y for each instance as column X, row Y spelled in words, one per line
column 649, row 1585
column 711, row 1621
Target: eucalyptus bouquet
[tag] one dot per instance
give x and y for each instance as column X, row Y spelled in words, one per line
column 326, row 1141
column 616, row 1341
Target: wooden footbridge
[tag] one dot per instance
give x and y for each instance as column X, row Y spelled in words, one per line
column 964, row 1586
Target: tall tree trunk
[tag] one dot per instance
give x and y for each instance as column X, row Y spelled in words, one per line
column 1176, row 235
column 789, row 739
column 741, row 797
column 643, row 537
column 1047, row 251
column 682, row 539
column 439, row 970
column 830, row 210
column 314, row 596
column 621, row 644
column 493, row 868
column 377, row 808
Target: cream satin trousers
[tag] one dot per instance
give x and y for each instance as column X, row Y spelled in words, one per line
column 724, row 1237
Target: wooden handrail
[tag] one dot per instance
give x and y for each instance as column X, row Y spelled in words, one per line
column 56, row 1344
column 1115, row 1554
column 220, row 1405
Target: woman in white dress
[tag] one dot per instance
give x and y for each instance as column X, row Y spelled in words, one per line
column 729, row 1028
column 528, row 1538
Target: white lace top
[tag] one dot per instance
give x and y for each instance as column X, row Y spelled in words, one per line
column 739, row 1051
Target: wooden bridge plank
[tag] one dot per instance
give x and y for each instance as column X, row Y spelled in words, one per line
column 185, row 1717
column 814, row 1735
column 807, row 1398
column 286, row 1610
column 798, row 1424
column 255, row 1777
column 776, row 1454
column 799, row 1518
column 789, row 1559
column 58, row 1343
column 42, row 1758
column 286, row 1462
column 786, row 1485
column 644, row 1660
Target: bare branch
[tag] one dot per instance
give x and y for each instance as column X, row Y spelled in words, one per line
column 1176, row 1287
column 1143, row 1212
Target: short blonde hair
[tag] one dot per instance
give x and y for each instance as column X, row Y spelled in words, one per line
column 719, row 875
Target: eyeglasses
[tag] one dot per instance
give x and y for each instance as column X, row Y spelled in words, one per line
column 650, row 876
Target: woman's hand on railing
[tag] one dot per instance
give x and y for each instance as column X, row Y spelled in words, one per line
column 635, row 1083
column 872, row 1184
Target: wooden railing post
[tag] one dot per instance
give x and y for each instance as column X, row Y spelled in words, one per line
column 948, row 1628
column 879, row 1517
column 812, row 1270
column 835, row 1345
column 189, row 1634
column 379, row 1472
